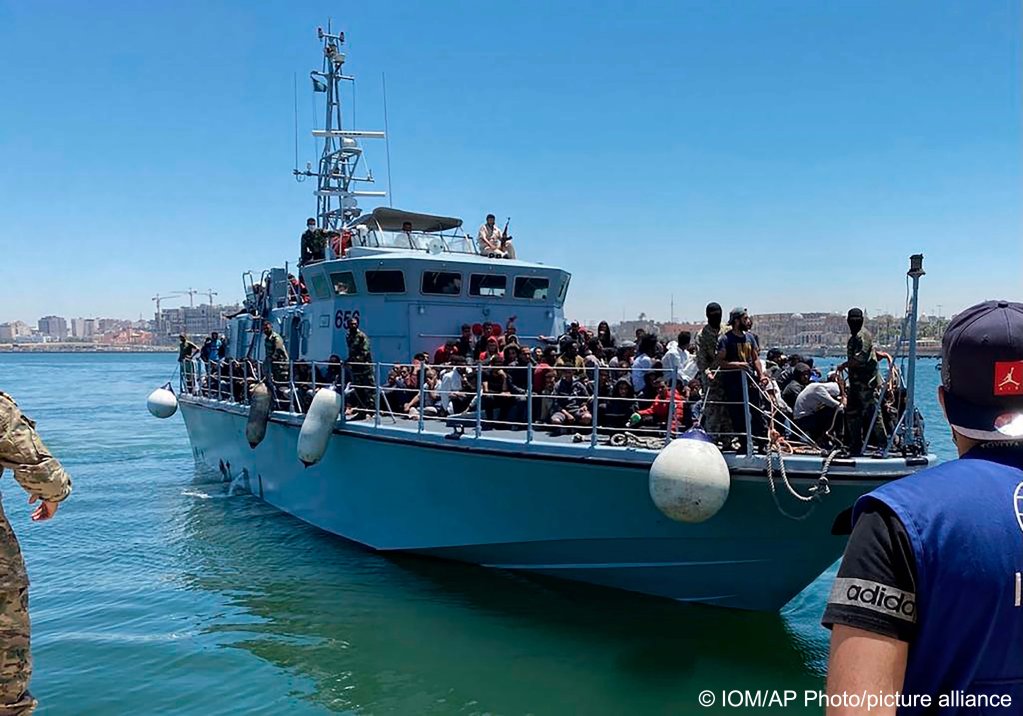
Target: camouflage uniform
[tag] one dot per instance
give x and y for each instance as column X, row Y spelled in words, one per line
column 863, row 384
column 41, row 476
column 362, row 375
column 715, row 415
column 275, row 357
column 314, row 245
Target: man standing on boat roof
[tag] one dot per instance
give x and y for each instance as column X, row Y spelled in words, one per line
column 715, row 415
column 314, row 243
column 948, row 540
column 43, row 478
column 864, row 381
column 275, row 355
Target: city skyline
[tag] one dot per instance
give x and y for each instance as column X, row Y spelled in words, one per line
column 763, row 158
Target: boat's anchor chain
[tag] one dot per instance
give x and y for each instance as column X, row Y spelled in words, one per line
column 816, row 493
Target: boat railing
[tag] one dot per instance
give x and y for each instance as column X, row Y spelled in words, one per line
column 526, row 402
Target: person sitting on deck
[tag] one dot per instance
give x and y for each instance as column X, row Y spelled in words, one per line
column 431, row 407
column 658, row 411
column 788, row 373
column 572, row 404
column 801, row 379
column 570, row 358
column 330, row 374
column 453, row 399
column 465, row 342
column 817, row 407
column 406, row 230
column 615, row 410
column 494, row 242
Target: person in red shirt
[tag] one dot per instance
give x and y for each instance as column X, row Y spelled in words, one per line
column 657, row 413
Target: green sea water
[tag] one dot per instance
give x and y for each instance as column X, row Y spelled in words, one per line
column 156, row 591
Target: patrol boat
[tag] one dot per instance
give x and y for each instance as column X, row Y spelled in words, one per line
column 642, row 510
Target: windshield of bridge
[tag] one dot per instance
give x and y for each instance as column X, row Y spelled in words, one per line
column 442, row 242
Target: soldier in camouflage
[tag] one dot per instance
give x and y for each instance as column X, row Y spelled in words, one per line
column 275, row 355
column 358, row 357
column 864, row 383
column 44, row 479
column 314, row 244
column 715, row 418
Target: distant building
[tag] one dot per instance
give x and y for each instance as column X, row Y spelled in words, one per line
column 11, row 332
column 54, row 327
column 78, row 328
column 88, row 328
column 197, row 320
column 106, row 325
column 800, row 330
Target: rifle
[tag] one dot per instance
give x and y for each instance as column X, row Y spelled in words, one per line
column 504, row 234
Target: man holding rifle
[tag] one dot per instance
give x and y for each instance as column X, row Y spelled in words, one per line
column 493, row 241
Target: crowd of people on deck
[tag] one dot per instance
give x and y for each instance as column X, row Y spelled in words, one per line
column 716, row 380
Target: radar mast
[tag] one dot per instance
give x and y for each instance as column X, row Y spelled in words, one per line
column 336, row 175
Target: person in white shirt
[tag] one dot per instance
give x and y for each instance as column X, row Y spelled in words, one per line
column 643, row 361
column 816, row 408
column 679, row 360
column 449, row 391
column 492, row 241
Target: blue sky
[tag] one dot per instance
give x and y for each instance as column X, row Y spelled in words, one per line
column 779, row 155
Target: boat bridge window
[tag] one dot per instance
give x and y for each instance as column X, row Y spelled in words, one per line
column 385, row 281
column 444, row 283
column 531, row 287
column 564, row 288
column 487, row 284
column 321, row 289
column 344, row 283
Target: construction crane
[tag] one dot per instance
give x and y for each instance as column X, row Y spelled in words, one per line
column 159, row 298
column 191, row 293
column 211, row 293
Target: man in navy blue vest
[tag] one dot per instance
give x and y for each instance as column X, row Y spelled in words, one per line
column 927, row 602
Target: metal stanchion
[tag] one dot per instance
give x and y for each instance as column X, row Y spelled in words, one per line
column 529, row 404
column 479, row 400
column 746, row 411
column 422, row 395
column 669, row 431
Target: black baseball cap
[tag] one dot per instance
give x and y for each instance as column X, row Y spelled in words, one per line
column 982, row 371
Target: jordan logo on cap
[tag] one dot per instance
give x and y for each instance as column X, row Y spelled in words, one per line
column 1008, row 376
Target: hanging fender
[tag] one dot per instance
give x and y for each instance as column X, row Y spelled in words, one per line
column 318, row 425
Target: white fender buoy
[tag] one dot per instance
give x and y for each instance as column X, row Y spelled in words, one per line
column 318, row 426
column 689, row 478
column 259, row 413
column 162, row 402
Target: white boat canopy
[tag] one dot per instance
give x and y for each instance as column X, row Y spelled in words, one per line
column 388, row 219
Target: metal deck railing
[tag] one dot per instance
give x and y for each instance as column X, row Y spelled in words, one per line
column 487, row 398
